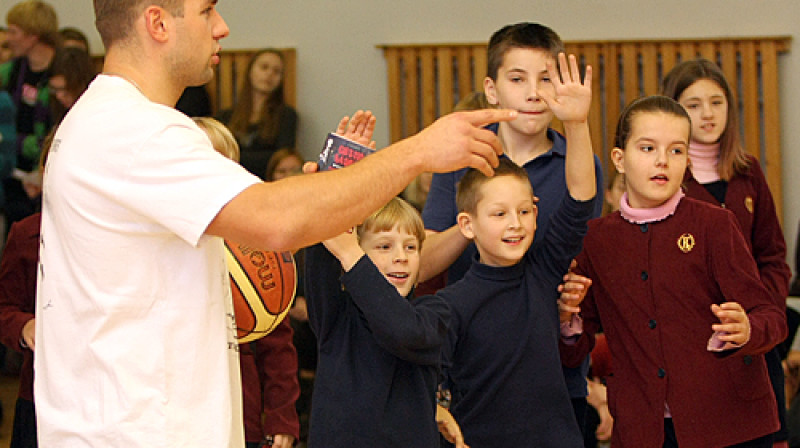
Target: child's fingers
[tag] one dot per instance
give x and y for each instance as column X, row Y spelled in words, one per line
column 553, row 74
column 573, row 68
column 587, row 79
column 728, row 310
column 729, row 329
column 342, row 126
column 565, row 308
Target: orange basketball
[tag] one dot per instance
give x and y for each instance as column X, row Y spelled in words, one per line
column 263, row 285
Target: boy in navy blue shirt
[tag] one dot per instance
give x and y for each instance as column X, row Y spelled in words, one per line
column 501, row 361
column 516, row 78
column 379, row 348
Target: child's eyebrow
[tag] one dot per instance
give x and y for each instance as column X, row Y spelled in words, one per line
column 697, row 98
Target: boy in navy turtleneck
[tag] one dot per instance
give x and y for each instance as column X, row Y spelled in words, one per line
column 501, row 361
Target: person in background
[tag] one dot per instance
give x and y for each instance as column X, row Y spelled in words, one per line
column 261, row 120
column 284, row 163
column 269, row 364
column 33, row 38
column 17, row 305
column 723, row 174
column 70, row 75
column 195, row 102
column 5, row 49
column 72, row 37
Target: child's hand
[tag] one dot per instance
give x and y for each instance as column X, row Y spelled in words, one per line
column 734, row 327
column 345, row 247
column 573, row 291
column 449, row 428
column 29, row 334
column 359, row 128
column 572, row 98
column 283, row 441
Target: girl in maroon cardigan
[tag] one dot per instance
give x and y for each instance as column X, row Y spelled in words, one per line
column 679, row 297
column 723, row 174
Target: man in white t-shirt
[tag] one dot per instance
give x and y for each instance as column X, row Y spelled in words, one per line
column 134, row 341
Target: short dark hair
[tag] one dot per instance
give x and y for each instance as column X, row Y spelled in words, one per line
column 114, row 19
column 520, row 35
column 653, row 103
column 469, row 194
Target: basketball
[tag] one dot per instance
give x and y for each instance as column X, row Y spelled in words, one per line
column 263, row 286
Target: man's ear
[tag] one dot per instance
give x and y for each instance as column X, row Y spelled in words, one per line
column 157, row 21
column 618, row 157
column 465, row 225
column 489, row 91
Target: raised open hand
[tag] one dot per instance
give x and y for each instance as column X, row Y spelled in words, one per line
column 570, row 99
column 359, row 128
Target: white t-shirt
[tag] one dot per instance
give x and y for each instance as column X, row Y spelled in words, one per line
column 134, row 325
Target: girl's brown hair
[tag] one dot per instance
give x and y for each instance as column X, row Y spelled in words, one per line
column 732, row 156
column 269, row 121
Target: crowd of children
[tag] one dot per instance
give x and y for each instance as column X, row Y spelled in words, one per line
column 685, row 275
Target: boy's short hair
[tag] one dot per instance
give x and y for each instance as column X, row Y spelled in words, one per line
column 520, row 35
column 221, row 137
column 37, row 18
column 469, row 194
column 396, row 212
column 114, row 19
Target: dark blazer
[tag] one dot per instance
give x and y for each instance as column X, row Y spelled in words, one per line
column 653, row 286
column 18, row 292
column 750, row 200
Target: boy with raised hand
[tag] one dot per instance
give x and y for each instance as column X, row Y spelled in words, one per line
column 379, row 347
column 517, row 78
column 501, row 361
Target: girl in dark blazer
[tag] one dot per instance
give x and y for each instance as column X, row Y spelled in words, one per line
column 723, row 174
column 680, row 300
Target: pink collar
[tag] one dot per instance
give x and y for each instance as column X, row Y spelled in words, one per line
column 704, row 160
column 648, row 215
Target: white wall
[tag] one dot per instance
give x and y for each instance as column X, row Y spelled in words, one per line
column 340, row 69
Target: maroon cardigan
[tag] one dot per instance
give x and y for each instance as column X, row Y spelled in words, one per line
column 18, row 292
column 653, row 286
column 749, row 198
column 270, row 385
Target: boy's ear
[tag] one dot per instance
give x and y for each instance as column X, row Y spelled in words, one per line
column 465, row 225
column 489, row 91
column 618, row 156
